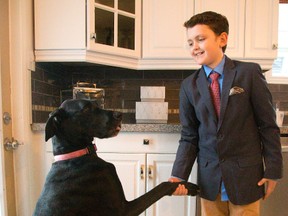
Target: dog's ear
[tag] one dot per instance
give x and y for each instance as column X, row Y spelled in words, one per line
column 53, row 123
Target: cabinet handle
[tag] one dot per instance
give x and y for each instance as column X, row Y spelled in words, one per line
column 150, row 171
column 142, row 168
column 93, row 36
column 274, row 46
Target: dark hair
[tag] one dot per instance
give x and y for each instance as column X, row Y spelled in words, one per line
column 216, row 22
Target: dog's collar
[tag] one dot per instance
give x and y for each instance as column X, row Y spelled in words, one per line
column 90, row 149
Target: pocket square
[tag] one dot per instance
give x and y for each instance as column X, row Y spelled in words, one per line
column 236, row 90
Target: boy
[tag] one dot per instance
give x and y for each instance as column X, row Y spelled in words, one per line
column 228, row 124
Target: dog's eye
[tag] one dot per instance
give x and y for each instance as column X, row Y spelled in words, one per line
column 86, row 109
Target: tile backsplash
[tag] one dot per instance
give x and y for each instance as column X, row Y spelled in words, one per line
column 52, row 83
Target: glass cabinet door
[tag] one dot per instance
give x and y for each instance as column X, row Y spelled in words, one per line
column 115, row 23
column 104, row 27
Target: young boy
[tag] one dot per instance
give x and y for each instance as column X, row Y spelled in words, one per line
column 232, row 139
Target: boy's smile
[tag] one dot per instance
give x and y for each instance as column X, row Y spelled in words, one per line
column 205, row 45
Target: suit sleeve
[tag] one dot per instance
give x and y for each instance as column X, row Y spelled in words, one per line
column 188, row 143
column 264, row 112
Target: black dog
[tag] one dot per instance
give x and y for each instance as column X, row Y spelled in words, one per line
column 81, row 183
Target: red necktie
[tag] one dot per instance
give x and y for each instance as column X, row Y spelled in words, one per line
column 215, row 92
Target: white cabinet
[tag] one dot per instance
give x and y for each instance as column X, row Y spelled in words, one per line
column 139, row 173
column 252, row 37
column 164, row 38
column 159, row 170
column 253, row 28
column 261, row 31
column 102, row 32
column 164, row 35
column 59, row 25
column 111, row 32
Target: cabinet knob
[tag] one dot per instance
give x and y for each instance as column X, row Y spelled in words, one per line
column 146, row 141
column 93, row 36
column 274, row 46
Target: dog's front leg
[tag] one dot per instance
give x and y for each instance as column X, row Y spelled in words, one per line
column 137, row 206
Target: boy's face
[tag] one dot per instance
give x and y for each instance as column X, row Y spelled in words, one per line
column 205, row 46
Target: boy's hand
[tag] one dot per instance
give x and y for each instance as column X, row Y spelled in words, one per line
column 181, row 190
column 271, row 184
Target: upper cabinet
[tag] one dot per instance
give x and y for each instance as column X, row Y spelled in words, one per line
column 253, row 24
column 97, row 31
column 164, row 42
column 261, row 32
column 59, row 25
column 149, row 34
column 163, row 33
column 114, row 26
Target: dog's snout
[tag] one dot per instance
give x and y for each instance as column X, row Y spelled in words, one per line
column 117, row 115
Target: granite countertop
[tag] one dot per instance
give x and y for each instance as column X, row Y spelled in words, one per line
column 162, row 128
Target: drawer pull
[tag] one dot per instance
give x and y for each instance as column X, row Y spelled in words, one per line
column 150, row 172
column 142, row 175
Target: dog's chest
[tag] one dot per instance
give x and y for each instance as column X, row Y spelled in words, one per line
column 87, row 183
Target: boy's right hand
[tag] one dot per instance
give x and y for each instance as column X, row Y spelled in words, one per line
column 180, row 190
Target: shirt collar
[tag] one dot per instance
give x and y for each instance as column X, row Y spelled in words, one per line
column 219, row 68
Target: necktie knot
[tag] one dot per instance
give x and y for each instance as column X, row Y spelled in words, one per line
column 214, row 76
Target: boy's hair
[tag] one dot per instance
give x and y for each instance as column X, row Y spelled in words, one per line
column 216, row 22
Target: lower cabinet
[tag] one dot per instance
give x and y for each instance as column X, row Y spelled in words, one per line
column 140, row 172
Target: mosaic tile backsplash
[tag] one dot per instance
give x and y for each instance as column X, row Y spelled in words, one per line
column 52, row 83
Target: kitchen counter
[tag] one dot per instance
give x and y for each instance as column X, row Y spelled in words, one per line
column 163, row 128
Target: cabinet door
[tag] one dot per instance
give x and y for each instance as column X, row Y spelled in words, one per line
column 59, row 24
column 164, row 35
column 261, row 29
column 131, row 171
column 235, row 13
column 159, row 168
column 114, row 27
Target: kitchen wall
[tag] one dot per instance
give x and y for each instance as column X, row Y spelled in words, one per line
column 53, row 82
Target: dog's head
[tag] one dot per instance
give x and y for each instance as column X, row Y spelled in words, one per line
column 80, row 119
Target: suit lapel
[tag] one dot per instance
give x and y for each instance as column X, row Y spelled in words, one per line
column 229, row 74
column 203, row 87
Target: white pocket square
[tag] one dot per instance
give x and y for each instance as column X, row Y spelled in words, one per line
column 236, row 90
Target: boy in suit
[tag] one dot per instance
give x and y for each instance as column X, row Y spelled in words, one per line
column 228, row 124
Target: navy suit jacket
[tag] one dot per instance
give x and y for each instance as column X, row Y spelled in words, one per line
column 236, row 148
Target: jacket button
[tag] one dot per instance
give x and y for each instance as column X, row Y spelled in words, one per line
column 222, row 160
column 220, row 136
